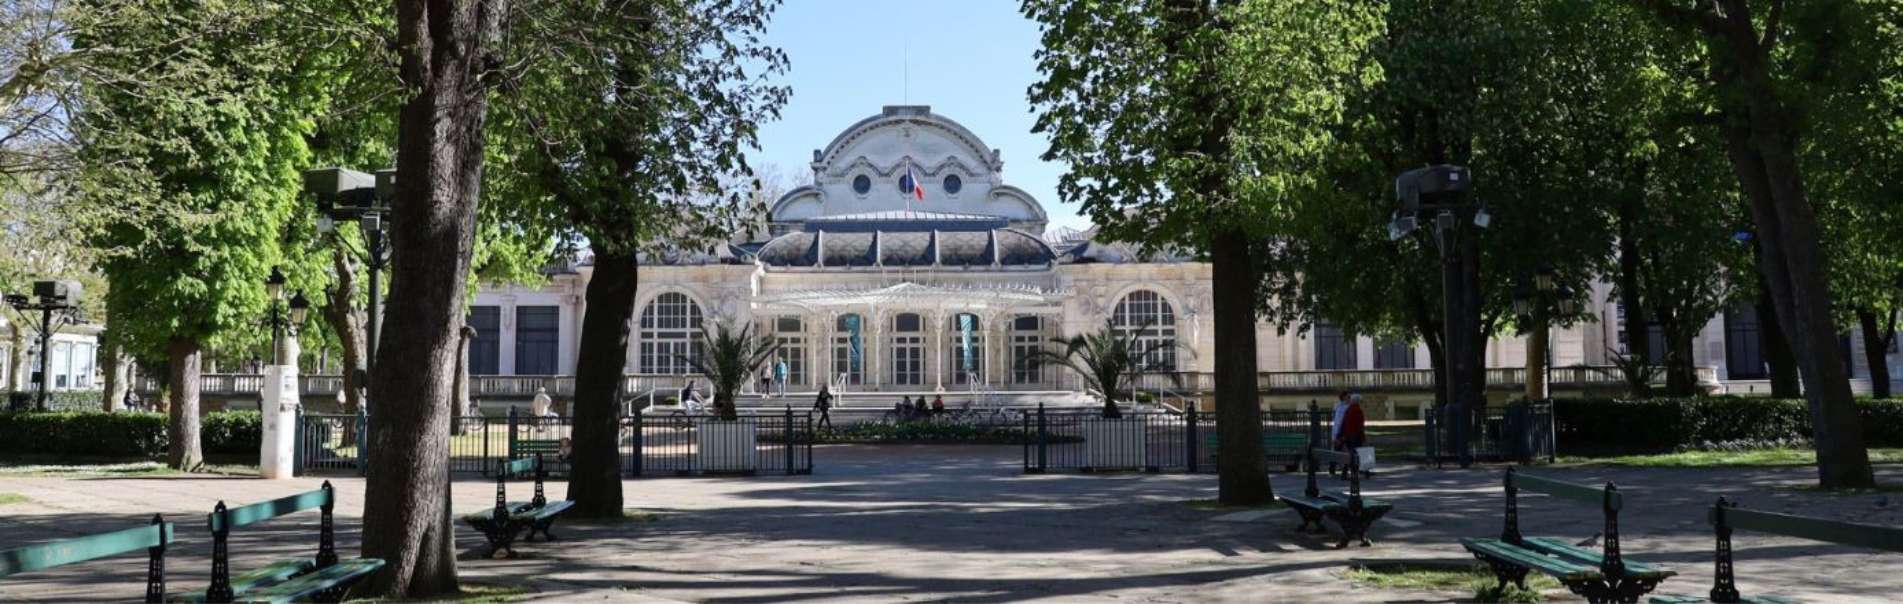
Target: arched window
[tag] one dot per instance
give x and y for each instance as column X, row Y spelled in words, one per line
column 849, row 349
column 908, row 350
column 670, row 330
column 1027, row 338
column 1147, row 317
column 791, row 334
column 965, row 349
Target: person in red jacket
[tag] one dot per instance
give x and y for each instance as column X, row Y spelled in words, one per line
column 1354, row 424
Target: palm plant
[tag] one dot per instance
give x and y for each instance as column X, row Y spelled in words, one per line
column 1106, row 358
column 728, row 359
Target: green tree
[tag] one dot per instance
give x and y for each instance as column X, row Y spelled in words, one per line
column 1189, row 124
column 185, row 191
column 629, row 132
column 1767, row 65
column 1107, row 358
column 730, row 359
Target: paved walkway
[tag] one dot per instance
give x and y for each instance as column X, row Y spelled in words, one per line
column 960, row 523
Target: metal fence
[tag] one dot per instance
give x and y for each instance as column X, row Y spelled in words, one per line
column 1521, row 431
column 774, row 443
column 1151, row 442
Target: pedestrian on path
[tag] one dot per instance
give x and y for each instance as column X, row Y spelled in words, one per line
column 779, row 375
column 824, row 405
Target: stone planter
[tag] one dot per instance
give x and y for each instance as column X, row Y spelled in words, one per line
column 1112, row 444
column 726, row 446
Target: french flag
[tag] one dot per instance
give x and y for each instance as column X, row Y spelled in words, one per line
column 918, row 188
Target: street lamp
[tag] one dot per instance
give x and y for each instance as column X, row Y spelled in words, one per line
column 274, row 290
column 345, row 195
column 1536, row 305
column 1441, row 191
column 58, row 302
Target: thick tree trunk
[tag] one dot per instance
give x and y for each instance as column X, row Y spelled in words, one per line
column 443, row 48
column 1681, row 379
column 1876, row 347
column 1779, row 362
column 16, row 359
column 1242, row 473
column 595, row 482
column 1762, row 147
column 1638, row 344
column 184, row 452
column 118, row 372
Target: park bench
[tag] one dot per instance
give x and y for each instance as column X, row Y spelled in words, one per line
column 1726, row 517
column 151, row 538
column 1350, row 511
column 1280, row 445
column 321, row 578
column 1599, row 576
column 501, row 525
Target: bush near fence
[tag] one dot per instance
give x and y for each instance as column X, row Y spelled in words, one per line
column 1660, row 424
column 121, row 435
column 58, row 400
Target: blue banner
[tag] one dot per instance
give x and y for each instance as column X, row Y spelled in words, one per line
column 965, row 324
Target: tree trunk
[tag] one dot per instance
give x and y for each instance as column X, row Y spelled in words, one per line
column 1763, row 148
column 16, row 359
column 1681, row 379
column 443, row 49
column 184, row 452
column 594, row 483
column 1779, row 362
column 1242, row 473
column 1536, row 343
column 1638, row 344
column 1876, row 347
column 118, row 372
column 348, row 323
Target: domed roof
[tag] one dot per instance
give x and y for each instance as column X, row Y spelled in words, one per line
column 965, row 249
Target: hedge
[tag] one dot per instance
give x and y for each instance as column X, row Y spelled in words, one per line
column 1668, row 423
column 141, row 435
column 57, row 400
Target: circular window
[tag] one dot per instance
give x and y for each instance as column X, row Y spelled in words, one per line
column 861, row 184
column 953, row 183
column 905, row 183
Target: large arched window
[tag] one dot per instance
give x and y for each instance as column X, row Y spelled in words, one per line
column 1146, row 316
column 670, row 330
column 908, row 350
column 849, row 349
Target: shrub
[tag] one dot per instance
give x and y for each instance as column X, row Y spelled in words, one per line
column 140, row 435
column 57, row 400
column 1664, row 424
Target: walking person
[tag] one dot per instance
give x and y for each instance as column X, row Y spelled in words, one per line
column 1354, row 429
column 1334, row 426
column 779, row 375
column 824, row 405
column 540, row 408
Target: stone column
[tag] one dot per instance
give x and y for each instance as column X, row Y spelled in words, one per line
column 936, row 353
column 876, row 364
column 278, row 447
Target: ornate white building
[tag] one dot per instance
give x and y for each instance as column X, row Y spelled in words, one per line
column 869, row 286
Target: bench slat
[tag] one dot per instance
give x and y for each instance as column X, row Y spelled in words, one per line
column 518, row 466
column 1564, row 570
column 266, row 510
column 1560, row 488
column 344, row 572
column 1818, row 529
column 1559, row 547
column 81, row 549
column 1318, row 503
column 267, row 575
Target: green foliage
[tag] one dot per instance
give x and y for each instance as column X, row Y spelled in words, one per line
column 120, row 435
column 57, row 400
column 1664, row 424
column 1477, row 580
column 1180, row 121
column 729, row 359
column 1107, row 357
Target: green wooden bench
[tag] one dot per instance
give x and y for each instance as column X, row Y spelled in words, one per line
column 321, row 578
column 152, row 539
column 1279, row 445
column 1350, row 511
column 1599, row 576
column 1726, row 517
column 501, row 525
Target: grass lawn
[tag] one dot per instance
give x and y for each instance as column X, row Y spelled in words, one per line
column 116, row 470
column 1473, row 580
column 1707, row 459
column 11, row 498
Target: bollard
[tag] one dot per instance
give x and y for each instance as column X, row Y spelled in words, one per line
column 509, row 451
column 635, row 462
column 1042, row 442
column 1189, row 423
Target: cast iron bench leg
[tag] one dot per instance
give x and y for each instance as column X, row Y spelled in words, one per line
column 542, row 527
column 1508, row 572
column 1310, row 518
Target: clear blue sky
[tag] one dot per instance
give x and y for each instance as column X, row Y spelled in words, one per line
column 970, row 60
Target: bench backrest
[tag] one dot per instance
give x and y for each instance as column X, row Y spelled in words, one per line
column 518, row 466
column 1331, row 456
column 1888, row 538
column 1587, row 494
column 81, row 549
column 266, row 510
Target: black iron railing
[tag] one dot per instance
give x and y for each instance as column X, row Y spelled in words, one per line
column 1521, row 431
column 1152, row 442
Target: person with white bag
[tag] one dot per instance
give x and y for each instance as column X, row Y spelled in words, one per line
column 1352, row 432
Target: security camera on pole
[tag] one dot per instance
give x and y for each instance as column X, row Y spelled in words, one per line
column 1441, row 192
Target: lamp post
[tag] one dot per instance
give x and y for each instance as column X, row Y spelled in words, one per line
column 58, row 303
column 1441, row 191
column 345, row 195
column 1535, row 304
